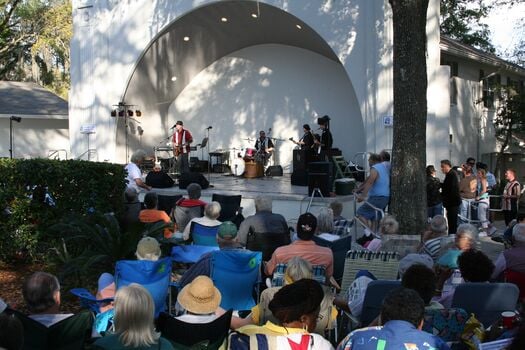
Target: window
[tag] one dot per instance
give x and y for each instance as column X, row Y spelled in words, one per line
column 453, row 67
column 489, row 82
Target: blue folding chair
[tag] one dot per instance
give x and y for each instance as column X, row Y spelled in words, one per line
column 190, row 254
column 339, row 249
column 236, row 273
column 152, row 275
column 374, row 296
column 490, row 300
column 204, row 235
column 103, row 320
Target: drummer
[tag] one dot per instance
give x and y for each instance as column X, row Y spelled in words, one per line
column 264, row 147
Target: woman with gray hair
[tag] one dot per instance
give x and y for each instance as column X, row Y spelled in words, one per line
column 134, row 175
column 325, row 224
column 134, row 327
column 466, row 239
column 212, row 211
column 431, row 240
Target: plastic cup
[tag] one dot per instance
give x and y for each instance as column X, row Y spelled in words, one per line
column 508, row 318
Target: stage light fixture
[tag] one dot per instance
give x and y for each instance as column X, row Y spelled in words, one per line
column 138, row 113
column 130, row 113
column 16, row 119
column 120, row 113
column 114, row 113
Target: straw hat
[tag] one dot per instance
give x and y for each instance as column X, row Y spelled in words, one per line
column 200, row 296
column 148, row 247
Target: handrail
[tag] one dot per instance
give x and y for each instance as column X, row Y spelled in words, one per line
column 356, row 220
column 89, row 152
column 56, row 153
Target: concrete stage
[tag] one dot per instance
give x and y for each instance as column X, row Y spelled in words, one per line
column 288, row 200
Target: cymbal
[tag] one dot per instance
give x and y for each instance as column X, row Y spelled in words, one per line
column 248, row 139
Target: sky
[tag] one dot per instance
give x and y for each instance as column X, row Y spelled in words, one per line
column 503, row 24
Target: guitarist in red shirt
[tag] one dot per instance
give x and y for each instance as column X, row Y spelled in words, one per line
column 181, row 146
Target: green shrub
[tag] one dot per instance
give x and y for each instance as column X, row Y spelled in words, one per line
column 36, row 194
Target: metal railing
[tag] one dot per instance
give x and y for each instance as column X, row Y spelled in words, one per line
column 89, row 153
column 55, row 154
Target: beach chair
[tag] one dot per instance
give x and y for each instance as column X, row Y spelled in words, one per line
column 339, row 249
column 230, row 206
column 204, row 235
column 374, row 296
column 266, row 242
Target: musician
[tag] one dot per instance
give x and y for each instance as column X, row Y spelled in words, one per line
column 325, row 142
column 181, row 146
column 264, row 147
column 158, row 178
column 307, row 141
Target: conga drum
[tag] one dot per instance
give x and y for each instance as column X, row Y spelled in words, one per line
column 253, row 169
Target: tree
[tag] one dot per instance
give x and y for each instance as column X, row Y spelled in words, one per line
column 408, row 190
column 34, row 42
column 509, row 119
column 460, row 20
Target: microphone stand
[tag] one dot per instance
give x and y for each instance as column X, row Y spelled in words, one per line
column 208, row 150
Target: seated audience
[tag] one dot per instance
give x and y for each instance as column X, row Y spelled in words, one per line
column 158, row 178
column 304, row 247
column 132, row 207
column 263, row 220
column 513, row 258
column 152, row 215
column 211, row 212
column 226, row 239
column 200, row 300
column 431, row 239
column 325, row 225
column 341, row 224
column 297, row 269
column 11, row 330
column 194, row 195
column 423, row 280
column 466, row 239
column 520, row 219
column 474, row 266
column 147, row 249
column 352, row 302
column 402, row 320
column 387, row 226
column 41, row 293
column 133, row 321
column 296, row 309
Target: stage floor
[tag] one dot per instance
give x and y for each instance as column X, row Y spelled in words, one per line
column 288, row 200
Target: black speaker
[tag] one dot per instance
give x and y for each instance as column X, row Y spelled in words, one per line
column 299, row 178
column 187, row 178
column 319, row 176
column 274, row 170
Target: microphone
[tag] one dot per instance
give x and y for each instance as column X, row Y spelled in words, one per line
column 209, row 127
column 173, row 127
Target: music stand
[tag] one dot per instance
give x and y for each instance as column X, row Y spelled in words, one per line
column 203, row 144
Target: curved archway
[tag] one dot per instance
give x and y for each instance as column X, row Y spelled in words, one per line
column 241, row 69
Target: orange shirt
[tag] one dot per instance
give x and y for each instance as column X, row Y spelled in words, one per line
column 153, row 215
column 307, row 250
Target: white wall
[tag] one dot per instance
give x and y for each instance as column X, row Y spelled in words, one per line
column 33, row 138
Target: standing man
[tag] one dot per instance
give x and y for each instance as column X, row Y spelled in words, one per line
column 181, row 147
column 306, row 142
column 326, row 141
column 264, row 147
column 450, row 195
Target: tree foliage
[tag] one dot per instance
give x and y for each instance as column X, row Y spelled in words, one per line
column 460, row 20
column 34, row 42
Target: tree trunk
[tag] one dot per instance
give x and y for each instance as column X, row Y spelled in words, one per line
column 408, row 180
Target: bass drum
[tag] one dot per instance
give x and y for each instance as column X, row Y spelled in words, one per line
column 238, row 167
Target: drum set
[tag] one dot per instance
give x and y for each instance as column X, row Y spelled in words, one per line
column 251, row 165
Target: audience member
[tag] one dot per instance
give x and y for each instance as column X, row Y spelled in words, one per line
column 304, row 247
column 474, row 266
column 134, row 176
column 511, row 194
column 467, row 188
column 432, row 239
column 41, row 293
column 466, row 239
column 341, row 224
column 132, row 207
column 520, row 219
column 434, row 201
column 450, row 195
column 482, row 197
column 133, row 321
column 514, row 258
column 402, row 319
column 11, row 330
column 200, row 300
column 325, row 225
column 297, row 269
column 158, row 178
column 491, row 179
column 385, row 159
column 377, row 188
column 263, row 220
column 387, row 226
column 211, row 212
column 296, row 308
column 423, row 280
column 152, row 215
column 194, row 195
column 227, row 240
column 352, row 302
